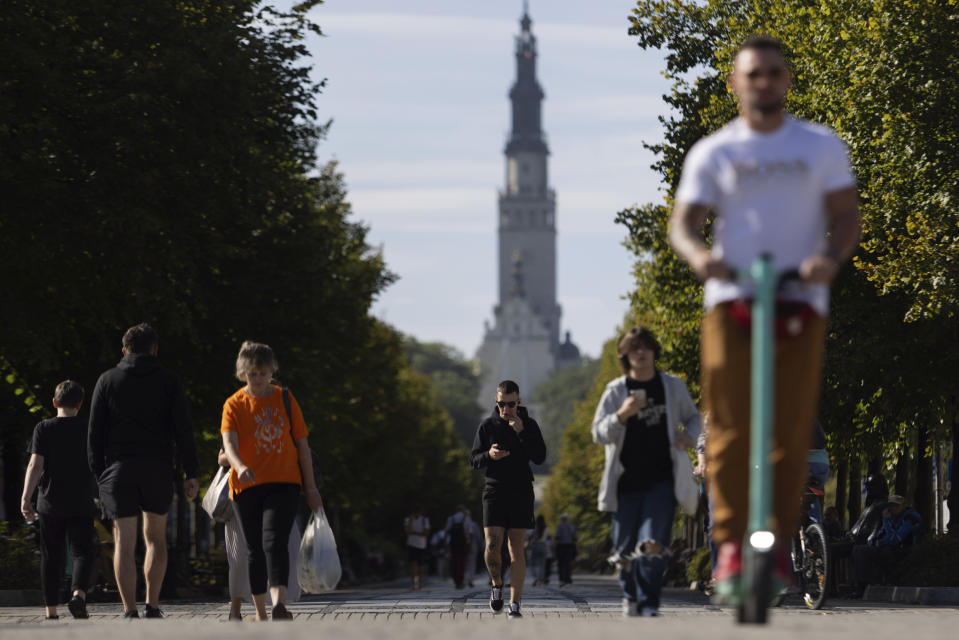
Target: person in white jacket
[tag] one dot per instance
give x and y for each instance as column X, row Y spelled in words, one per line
column 647, row 466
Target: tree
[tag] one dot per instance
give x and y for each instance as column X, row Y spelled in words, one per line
column 573, row 486
column 556, row 398
column 880, row 73
column 159, row 162
column 453, row 380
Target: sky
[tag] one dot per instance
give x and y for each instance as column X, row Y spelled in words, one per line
column 417, row 94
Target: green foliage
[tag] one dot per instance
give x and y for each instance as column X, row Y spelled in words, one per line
column 700, row 566
column 932, row 562
column 162, row 166
column 453, row 380
column 19, row 557
column 210, row 574
column 881, row 73
column 573, row 486
column 556, row 398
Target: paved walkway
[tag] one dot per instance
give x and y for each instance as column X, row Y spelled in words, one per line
column 589, row 608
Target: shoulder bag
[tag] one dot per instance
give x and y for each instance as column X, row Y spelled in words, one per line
column 216, row 501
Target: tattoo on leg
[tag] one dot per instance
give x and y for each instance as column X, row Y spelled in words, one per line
column 493, row 562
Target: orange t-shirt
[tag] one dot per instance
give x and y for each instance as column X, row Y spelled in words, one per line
column 263, row 432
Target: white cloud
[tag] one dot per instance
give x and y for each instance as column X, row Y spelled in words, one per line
column 471, row 31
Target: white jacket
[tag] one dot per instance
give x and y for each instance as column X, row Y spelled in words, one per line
column 609, row 431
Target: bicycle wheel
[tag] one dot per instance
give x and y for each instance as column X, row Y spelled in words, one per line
column 815, row 570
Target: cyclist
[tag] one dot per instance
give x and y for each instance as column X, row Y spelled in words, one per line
column 817, row 464
column 775, row 185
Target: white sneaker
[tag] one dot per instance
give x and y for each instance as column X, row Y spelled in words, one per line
column 649, row 612
column 630, row 608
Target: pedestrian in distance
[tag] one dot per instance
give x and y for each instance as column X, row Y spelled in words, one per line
column 887, row 546
column 459, row 533
column 476, row 546
column 565, row 550
column 417, row 529
column 270, row 462
column 702, row 464
column 779, row 186
column 505, row 444
column 138, row 412
column 65, row 508
column 536, row 546
column 647, row 465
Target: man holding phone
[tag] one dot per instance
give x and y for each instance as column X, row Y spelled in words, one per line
column 647, row 468
column 505, row 443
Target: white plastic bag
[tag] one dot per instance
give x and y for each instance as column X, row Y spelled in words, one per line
column 318, row 565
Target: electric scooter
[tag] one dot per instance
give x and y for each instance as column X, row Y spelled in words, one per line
column 759, row 544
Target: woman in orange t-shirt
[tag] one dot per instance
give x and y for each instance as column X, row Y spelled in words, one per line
column 270, row 460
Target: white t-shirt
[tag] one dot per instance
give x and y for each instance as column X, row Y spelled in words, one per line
column 419, row 529
column 767, row 191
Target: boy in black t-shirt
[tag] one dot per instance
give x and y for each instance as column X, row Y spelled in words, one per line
column 58, row 464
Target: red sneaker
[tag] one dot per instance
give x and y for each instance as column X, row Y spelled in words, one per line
column 728, row 573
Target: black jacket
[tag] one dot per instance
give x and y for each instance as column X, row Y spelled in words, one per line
column 524, row 447
column 138, row 410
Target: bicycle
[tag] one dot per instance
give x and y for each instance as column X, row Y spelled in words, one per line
column 810, row 557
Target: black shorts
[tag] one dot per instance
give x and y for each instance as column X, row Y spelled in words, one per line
column 129, row 486
column 508, row 508
column 415, row 554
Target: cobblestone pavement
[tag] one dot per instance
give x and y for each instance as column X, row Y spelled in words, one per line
column 590, row 606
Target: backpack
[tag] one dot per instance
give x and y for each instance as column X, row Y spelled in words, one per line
column 457, row 535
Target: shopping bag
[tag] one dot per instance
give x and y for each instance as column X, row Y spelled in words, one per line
column 216, row 501
column 318, row 565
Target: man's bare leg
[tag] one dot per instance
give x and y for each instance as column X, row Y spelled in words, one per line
column 517, row 567
column 124, row 560
column 494, row 554
column 154, row 562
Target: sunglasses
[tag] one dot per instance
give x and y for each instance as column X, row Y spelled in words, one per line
column 510, row 404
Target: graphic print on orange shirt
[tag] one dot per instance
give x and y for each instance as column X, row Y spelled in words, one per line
column 270, row 427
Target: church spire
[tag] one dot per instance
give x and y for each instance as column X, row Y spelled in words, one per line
column 526, row 94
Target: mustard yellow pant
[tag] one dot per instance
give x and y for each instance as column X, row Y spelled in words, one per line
column 726, row 369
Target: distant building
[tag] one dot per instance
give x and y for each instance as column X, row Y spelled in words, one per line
column 523, row 342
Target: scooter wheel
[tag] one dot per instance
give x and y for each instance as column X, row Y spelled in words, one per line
column 758, row 592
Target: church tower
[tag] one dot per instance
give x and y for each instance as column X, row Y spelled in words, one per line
column 523, row 343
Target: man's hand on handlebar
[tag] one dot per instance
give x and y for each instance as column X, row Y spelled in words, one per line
column 819, row 268
column 707, row 266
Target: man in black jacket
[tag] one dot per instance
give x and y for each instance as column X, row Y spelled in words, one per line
column 137, row 413
column 505, row 444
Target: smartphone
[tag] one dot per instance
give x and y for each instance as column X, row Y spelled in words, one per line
column 639, row 394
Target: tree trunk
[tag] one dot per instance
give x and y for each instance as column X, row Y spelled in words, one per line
column 922, row 499
column 902, row 473
column 842, row 497
column 854, row 507
column 953, row 499
column 15, row 433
